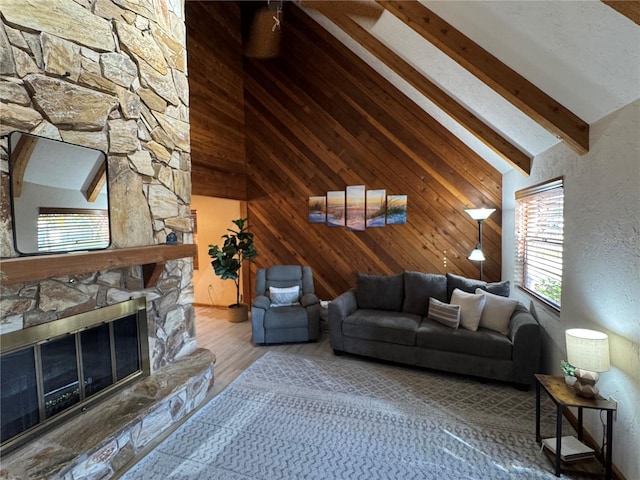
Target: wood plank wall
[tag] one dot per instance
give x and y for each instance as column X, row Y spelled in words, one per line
column 318, row 119
column 214, row 55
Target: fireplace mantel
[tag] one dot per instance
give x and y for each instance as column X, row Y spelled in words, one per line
column 152, row 259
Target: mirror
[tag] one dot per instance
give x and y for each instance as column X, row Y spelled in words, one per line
column 59, row 196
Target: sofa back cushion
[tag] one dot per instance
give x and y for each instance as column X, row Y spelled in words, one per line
column 419, row 287
column 469, row 285
column 380, row 292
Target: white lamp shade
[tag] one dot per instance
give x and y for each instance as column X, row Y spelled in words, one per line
column 477, row 255
column 480, row 213
column 588, row 349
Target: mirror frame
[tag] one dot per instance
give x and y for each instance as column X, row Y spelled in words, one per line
column 12, row 143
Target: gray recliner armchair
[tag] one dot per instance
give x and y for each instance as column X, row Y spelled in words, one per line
column 277, row 318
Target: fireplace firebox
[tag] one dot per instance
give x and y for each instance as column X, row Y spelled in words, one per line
column 52, row 371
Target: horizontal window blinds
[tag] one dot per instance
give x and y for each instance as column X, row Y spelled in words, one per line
column 539, row 238
column 63, row 229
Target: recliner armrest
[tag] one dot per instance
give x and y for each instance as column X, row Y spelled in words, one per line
column 262, row 301
column 309, row 299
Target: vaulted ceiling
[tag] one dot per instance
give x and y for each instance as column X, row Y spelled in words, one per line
column 509, row 78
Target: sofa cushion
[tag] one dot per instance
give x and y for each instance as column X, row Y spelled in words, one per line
column 286, row 317
column 469, row 285
column 471, row 306
column 382, row 326
column 483, row 343
column 444, row 313
column 497, row 311
column 419, row 287
column 380, row 292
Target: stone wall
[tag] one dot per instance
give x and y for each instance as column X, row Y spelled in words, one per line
column 108, row 74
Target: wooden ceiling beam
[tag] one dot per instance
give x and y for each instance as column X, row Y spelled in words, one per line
column 96, row 184
column 546, row 111
column 628, row 8
column 483, row 132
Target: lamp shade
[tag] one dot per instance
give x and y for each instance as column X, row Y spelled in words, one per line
column 587, row 349
column 480, row 213
column 477, row 255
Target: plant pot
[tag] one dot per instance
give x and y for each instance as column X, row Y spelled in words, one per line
column 237, row 313
column 570, row 380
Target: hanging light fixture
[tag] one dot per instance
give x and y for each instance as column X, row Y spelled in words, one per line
column 480, row 215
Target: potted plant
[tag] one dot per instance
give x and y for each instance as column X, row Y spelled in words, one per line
column 227, row 261
column 569, row 372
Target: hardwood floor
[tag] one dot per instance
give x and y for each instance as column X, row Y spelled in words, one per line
column 232, row 346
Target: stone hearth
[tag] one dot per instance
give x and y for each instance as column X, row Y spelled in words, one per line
column 103, row 440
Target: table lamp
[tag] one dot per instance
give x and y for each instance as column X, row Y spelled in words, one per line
column 588, row 351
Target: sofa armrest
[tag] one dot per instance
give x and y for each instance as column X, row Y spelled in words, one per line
column 309, row 299
column 339, row 309
column 261, row 301
column 525, row 334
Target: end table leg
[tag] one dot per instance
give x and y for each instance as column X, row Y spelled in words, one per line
column 609, row 450
column 558, row 437
column 538, row 439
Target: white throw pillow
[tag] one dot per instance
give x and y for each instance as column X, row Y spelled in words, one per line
column 286, row 296
column 471, row 306
column 497, row 312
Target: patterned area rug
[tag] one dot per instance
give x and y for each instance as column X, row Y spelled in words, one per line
column 296, row 417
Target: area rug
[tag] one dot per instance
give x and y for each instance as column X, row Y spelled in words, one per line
column 298, row 417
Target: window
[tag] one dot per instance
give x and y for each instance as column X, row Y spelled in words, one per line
column 62, row 229
column 539, row 239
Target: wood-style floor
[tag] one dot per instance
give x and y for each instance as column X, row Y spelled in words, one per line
column 232, row 346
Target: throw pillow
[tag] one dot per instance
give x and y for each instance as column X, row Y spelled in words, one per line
column 380, row 292
column 444, row 313
column 281, row 297
column 418, row 287
column 469, row 285
column 471, row 306
column 497, row 312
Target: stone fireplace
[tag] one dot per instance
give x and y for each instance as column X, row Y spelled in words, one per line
column 56, row 370
column 111, row 75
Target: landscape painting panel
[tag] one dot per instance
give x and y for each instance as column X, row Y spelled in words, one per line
column 317, row 209
column 376, row 208
column 356, row 207
column 335, row 209
column 396, row 209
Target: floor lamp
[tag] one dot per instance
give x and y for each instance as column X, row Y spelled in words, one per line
column 480, row 215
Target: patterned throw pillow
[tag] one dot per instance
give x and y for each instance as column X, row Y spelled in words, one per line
column 448, row 315
column 281, row 297
column 471, row 306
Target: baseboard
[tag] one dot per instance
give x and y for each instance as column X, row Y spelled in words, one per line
column 590, row 441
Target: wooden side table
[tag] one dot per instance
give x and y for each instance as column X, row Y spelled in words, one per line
column 563, row 396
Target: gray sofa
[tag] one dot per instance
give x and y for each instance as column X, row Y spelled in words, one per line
column 386, row 317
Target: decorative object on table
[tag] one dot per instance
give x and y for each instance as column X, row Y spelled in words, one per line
column 172, row 239
column 227, row 261
column 569, row 372
column 588, row 350
column 317, row 209
column 480, row 215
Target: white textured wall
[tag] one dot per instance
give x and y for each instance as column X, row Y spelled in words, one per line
column 601, row 281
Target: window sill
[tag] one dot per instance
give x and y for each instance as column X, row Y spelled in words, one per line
column 551, row 309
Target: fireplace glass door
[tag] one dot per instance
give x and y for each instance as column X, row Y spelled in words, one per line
column 54, row 376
